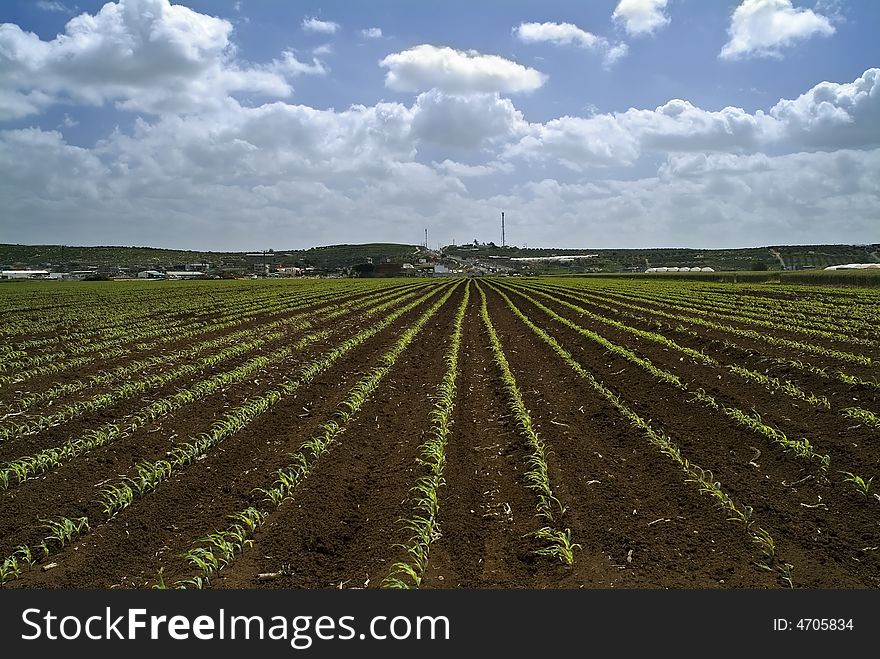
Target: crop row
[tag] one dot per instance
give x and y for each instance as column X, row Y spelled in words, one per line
column 220, row 547
column 271, row 331
column 118, row 496
column 537, row 477
column 693, row 473
column 746, row 374
column 22, row 468
column 234, row 320
column 423, row 522
column 751, row 313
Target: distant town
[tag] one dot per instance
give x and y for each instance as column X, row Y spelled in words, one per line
column 61, row 262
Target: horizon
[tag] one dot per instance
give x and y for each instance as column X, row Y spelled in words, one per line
column 363, row 244
column 613, row 124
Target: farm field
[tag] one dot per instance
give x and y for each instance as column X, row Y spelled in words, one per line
column 445, row 433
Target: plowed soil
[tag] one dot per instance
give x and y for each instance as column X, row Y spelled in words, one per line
column 636, row 517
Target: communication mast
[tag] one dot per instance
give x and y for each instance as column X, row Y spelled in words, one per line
column 503, row 244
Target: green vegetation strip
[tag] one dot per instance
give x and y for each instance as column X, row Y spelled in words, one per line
column 219, row 548
column 149, row 475
column 537, row 477
column 826, row 373
column 107, row 377
column 746, row 374
column 752, row 334
column 702, row 478
column 749, row 375
column 20, row 469
column 801, row 448
column 426, row 492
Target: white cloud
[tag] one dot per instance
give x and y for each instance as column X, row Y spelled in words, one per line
column 319, row 26
column 828, row 116
column 709, row 200
column 680, row 126
column 462, row 170
column 641, row 16
column 568, row 34
column 457, row 72
column 147, row 55
column 231, row 183
column 762, row 28
column 557, row 33
column 578, row 143
column 372, row 33
column 466, row 122
column 614, row 53
column 290, row 65
column 832, row 115
column 209, row 171
column 53, row 6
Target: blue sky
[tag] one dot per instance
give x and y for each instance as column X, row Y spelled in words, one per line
column 633, row 123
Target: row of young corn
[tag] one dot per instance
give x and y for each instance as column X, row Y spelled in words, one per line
column 86, row 314
column 165, row 332
column 20, row 469
column 232, row 320
column 423, row 523
column 216, row 550
column 854, row 307
column 116, row 324
column 272, row 331
column 824, row 372
column 779, row 300
column 42, row 422
column 861, row 360
column 29, row 466
column 802, row 448
column 674, row 321
column 147, row 476
column 743, row 312
column 749, row 375
column 693, row 473
column 537, row 477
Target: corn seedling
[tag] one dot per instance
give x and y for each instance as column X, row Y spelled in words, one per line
column 860, row 484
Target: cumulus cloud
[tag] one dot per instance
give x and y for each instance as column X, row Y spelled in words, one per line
column 457, row 72
column 568, row 34
column 640, row 17
column 232, row 185
column 372, row 33
column 711, row 200
column 678, row 125
column 466, row 122
column 828, row 116
column 317, row 25
column 832, row 115
column 763, row 28
column 578, row 143
column 201, row 169
column 147, row 55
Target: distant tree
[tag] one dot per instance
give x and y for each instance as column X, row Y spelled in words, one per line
column 364, row 269
column 758, row 265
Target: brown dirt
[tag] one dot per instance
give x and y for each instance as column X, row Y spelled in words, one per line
column 638, row 521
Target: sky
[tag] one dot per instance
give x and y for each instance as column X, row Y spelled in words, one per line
column 257, row 124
